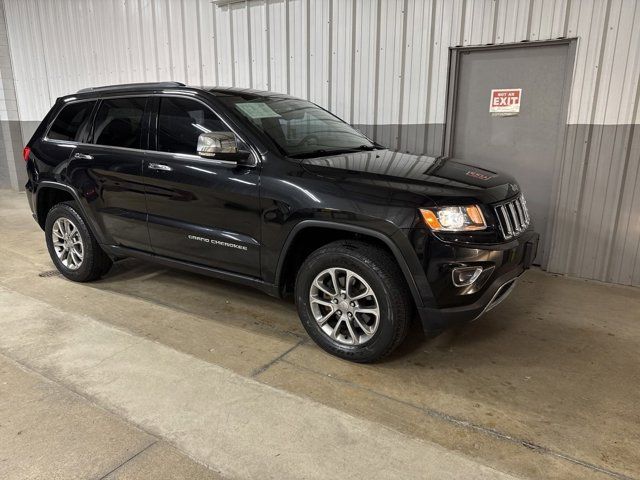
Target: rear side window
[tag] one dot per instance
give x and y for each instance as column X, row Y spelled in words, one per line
column 118, row 122
column 180, row 123
column 71, row 122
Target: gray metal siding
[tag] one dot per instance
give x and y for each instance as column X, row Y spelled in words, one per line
column 597, row 218
column 379, row 64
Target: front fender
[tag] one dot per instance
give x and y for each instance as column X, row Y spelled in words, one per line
column 397, row 243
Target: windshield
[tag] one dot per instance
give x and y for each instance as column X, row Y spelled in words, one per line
column 300, row 128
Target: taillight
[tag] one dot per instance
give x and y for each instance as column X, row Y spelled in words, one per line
column 26, row 151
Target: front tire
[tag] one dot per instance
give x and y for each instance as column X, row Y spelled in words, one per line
column 72, row 247
column 352, row 300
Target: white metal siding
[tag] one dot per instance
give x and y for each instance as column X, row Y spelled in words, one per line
column 373, row 62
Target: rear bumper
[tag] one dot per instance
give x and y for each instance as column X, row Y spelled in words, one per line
column 505, row 265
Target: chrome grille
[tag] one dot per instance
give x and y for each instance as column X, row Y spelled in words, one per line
column 513, row 217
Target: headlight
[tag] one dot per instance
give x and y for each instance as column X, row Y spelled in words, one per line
column 454, row 219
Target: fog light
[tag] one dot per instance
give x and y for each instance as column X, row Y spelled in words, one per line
column 465, row 276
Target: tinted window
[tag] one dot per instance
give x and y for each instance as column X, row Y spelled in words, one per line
column 119, row 122
column 181, row 121
column 69, row 122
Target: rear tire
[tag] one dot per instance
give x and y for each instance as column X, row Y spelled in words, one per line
column 72, row 247
column 345, row 321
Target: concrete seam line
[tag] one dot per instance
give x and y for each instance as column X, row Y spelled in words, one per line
column 89, row 400
column 266, row 366
column 112, row 412
column 474, row 426
column 128, row 460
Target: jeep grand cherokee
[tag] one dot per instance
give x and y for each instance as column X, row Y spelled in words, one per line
column 277, row 193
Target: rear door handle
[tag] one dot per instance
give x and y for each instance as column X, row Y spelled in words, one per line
column 82, row 156
column 160, row 166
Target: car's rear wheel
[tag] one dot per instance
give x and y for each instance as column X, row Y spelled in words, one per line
column 352, row 300
column 72, row 247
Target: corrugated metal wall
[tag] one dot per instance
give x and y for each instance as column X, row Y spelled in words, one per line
column 379, row 64
column 10, row 133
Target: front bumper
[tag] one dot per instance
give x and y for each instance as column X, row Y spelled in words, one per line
column 503, row 264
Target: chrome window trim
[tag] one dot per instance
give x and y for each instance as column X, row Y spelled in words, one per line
column 176, row 156
column 254, row 152
column 69, row 101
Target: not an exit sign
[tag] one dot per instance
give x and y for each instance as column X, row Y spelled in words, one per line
column 505, row 101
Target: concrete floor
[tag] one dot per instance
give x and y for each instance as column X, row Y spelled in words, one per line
column 153, row 372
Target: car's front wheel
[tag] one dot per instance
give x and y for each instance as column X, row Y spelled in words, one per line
column 353, row 301
column 72, row 247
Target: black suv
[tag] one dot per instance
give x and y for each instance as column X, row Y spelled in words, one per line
column 277, row 193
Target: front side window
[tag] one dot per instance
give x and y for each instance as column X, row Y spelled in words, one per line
column 300, row 128
column 70, row 122
column 180, row 123
column 119, row 122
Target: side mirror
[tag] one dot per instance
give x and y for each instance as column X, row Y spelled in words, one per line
column 220, row 146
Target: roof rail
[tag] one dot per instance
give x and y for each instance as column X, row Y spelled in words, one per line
column 132, row 86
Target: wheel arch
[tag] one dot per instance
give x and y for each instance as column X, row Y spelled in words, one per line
column 290, row 254
column 51, row 193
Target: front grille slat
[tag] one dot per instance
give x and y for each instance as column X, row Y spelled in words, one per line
column 526, row 210
column 520, row 211
column 513, row 217
column 505, row 220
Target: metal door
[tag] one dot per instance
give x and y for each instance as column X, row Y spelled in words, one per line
column 524, row 144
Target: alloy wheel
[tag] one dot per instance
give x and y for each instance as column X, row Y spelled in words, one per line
column 345, row 306
column 67, row 243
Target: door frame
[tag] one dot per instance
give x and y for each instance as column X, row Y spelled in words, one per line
column 452, row 99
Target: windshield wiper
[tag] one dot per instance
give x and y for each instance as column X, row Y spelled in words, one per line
column 322, row 152
column 366, row 147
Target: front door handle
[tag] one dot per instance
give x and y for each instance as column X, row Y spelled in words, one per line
column 82, row 156
column 160, row 166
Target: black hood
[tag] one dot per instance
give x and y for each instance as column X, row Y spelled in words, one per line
column 435, row 177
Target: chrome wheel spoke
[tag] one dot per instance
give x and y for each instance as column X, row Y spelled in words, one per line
column 334, row 281
column 354, row 338
column 322, row 302
column 336, row 329
column 370, row 311
column 324, row 319
column 363, row 326
column 347, row 282
column 364, row 294
column 77, row 253
column 322, row 288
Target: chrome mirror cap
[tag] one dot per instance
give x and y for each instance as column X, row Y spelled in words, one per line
column 213, row 143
